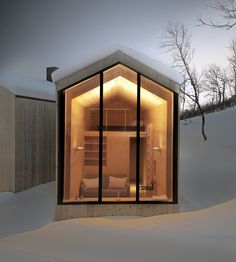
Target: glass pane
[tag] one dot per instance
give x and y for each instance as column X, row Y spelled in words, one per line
column 81, row 159
column 156, row 146
column 119, row 143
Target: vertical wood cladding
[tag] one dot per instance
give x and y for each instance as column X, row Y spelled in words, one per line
column 7, row 139
column 35, row 143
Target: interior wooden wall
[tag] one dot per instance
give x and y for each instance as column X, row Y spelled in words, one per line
column 117, row 156
column 7, row 140
column 111, row 117
column 77, row 139
column 118, row 153
column 34, row 142
column 158, row 116
column 117, row 118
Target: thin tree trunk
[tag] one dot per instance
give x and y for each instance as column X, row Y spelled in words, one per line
column 203, row 121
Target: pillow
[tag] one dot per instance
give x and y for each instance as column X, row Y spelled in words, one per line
column 117, row 182
column 90, row 182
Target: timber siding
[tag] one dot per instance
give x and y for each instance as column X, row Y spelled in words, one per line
column 27, row 141
column 35, row 143
column 7, row 140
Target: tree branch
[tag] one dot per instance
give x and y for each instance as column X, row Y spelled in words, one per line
column 227, row 10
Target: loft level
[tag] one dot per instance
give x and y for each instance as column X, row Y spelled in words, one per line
column 114, row 119
column 115, row 133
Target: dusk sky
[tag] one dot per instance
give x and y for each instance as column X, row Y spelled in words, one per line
column 36, row 34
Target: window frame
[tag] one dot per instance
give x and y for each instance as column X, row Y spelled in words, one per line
column 61, row 145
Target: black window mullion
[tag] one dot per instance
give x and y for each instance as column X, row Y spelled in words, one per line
column 138, row 137
column 100, row 138
column 175, row 149
column 61, row 145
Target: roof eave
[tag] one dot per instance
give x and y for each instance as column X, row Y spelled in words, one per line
column 112, row 59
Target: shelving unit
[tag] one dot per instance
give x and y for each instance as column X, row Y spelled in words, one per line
column 91, row 152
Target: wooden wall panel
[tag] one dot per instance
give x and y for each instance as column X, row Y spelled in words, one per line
column 51, row 133
column 158, row 117
column 35, row 142
column 118, row 149
column 163, row 135
column 77, row 139
column 117, row 156
column 7, row 140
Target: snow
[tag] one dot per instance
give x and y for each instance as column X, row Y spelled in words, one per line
column 91, row 58
column 206, row 235
column 208, row 169
column 5, row 195
column 207, row 183
column 26, row 210
column 28, row 86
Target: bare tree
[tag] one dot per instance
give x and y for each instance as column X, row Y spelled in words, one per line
column 227, row 11
column 232, row 64
column 217, row 84
column 177, row 41
column 183, row 98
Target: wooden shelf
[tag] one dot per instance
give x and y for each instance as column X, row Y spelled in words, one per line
column 91, row 151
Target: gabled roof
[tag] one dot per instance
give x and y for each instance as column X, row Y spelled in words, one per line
column 147, row 66
column 28, row 86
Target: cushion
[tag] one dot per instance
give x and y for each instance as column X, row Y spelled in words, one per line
column 117, row 182
column 90, row 182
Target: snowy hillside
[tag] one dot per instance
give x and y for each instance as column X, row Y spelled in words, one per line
column 208, row 169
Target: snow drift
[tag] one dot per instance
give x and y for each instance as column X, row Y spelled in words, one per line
column 205, row 235
column 208, row 168
column 26, row 210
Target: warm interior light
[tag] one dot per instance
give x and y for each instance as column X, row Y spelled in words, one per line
column 119, row 86
column 89, row 97
column 132, row 188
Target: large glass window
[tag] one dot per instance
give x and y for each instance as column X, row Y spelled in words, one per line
column 156, row 147
column 101, row 149
column 81, row 154
column 119, row 125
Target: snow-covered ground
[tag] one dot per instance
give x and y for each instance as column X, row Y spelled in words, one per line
column 206, row 235
column 207, row 178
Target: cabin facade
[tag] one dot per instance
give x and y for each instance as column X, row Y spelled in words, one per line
column 117, row 140
column 27, row 137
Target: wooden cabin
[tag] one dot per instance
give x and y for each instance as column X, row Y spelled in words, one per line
column 27, row 134
column 117, row 140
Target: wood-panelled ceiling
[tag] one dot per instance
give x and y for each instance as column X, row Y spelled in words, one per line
column 122, row 89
